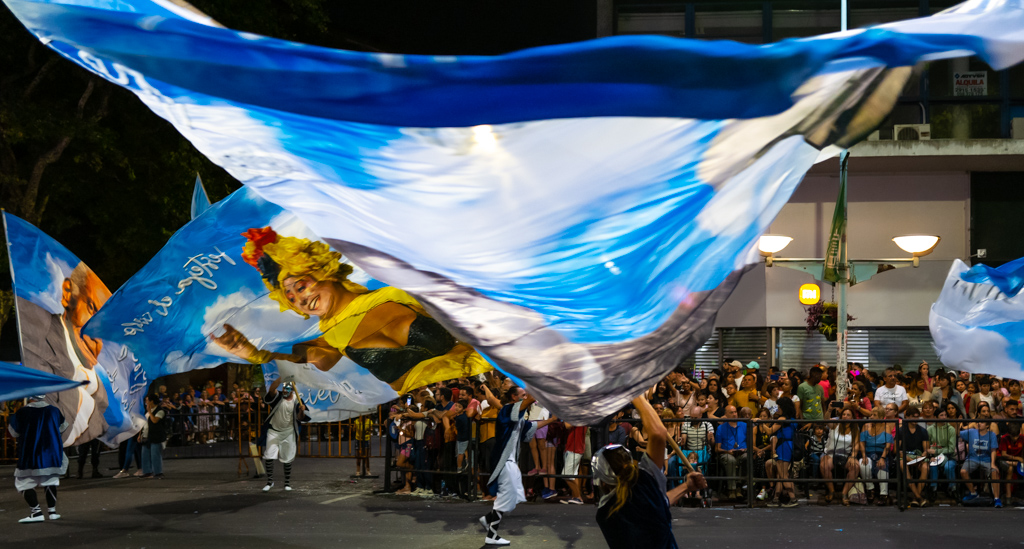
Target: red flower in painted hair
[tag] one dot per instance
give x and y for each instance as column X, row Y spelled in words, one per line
column 259, row 238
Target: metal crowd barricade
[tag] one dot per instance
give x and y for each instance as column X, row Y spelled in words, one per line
column 473, row 473
column 336, row 439
column 900, row 478
column 8, row 445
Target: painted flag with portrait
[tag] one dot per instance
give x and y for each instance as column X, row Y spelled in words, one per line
column 55, row 295
column 576, row 213
column 247, row 282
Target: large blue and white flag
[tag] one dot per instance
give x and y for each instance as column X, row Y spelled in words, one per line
column 977, row 323
column 55, row 295
column 577, row 213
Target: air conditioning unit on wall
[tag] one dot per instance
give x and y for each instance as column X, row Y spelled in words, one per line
column 912, row 132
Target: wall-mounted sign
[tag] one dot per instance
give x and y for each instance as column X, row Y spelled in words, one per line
column 970, row 83
column 810, row 294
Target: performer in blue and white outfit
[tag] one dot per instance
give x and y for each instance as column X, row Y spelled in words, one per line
column 282, row 428
column 41, row 459
column 506, row 481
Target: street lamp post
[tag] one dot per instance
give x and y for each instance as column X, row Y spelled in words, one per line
column 847, row 272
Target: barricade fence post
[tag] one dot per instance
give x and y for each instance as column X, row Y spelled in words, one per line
column 750, row 463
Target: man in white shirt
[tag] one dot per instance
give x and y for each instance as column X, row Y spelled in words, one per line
column 891, row 393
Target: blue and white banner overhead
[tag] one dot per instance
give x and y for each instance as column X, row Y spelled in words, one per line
column 55, row 295
column 20, row 382
column 577, row 213
column 977, row 323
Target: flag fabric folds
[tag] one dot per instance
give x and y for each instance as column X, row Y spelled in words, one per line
column 55, row 295
column 577, row 213
column 19, row 382
column 977, row 323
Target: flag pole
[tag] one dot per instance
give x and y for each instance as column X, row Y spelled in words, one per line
column 843, row 284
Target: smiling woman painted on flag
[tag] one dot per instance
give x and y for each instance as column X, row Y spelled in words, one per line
column 385, row 331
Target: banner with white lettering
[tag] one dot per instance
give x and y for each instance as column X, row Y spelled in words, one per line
column 172, row 312
column 334, row 395
column 55, row 295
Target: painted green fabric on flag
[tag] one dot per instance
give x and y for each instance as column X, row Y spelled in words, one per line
column 836, row 254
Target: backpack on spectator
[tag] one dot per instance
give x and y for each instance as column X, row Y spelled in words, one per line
column 800, row 439
column 433, row 438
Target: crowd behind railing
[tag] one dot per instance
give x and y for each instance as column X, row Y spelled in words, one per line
column 760, row 436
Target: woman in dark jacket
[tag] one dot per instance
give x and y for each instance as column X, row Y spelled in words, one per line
column 634, row 510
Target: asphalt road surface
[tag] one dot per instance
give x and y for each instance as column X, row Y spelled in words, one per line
column 205, row 503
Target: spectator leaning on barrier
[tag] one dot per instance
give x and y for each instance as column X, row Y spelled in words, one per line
column 915, row 453
column 942, row 439
column 574, row 447
column 1011, row 455
column 696, row 438
column 363, row 431
column 785, row 432
column 731, row 448
column 874, row 451
column 982, row 447
column 764, row 465
column 840, row 446
column 489, row 406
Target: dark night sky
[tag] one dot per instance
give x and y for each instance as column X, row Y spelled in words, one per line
column 473, row 27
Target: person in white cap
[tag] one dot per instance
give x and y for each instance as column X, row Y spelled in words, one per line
column 282, row 424
column 41, row 459
column 633, row 511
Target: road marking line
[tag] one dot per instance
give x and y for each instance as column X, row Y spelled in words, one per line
column 339, row 499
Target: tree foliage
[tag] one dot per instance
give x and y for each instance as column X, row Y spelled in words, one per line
column 90, row 165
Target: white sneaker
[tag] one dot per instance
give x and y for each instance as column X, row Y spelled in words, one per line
column 496, row 540
column 54, row 516
column 138, row 473
column 32, row 518
column 121, row 474
column 268, row 486
column 287, row 488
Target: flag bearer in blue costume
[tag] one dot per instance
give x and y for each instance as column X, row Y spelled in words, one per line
column 634, row 511
column 41, row 459
column 506, row 481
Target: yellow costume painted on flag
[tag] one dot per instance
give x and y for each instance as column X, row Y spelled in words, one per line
column 431, row 353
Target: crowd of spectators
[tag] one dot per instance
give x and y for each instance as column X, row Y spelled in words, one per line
column 210, row 414
column 931, row 427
